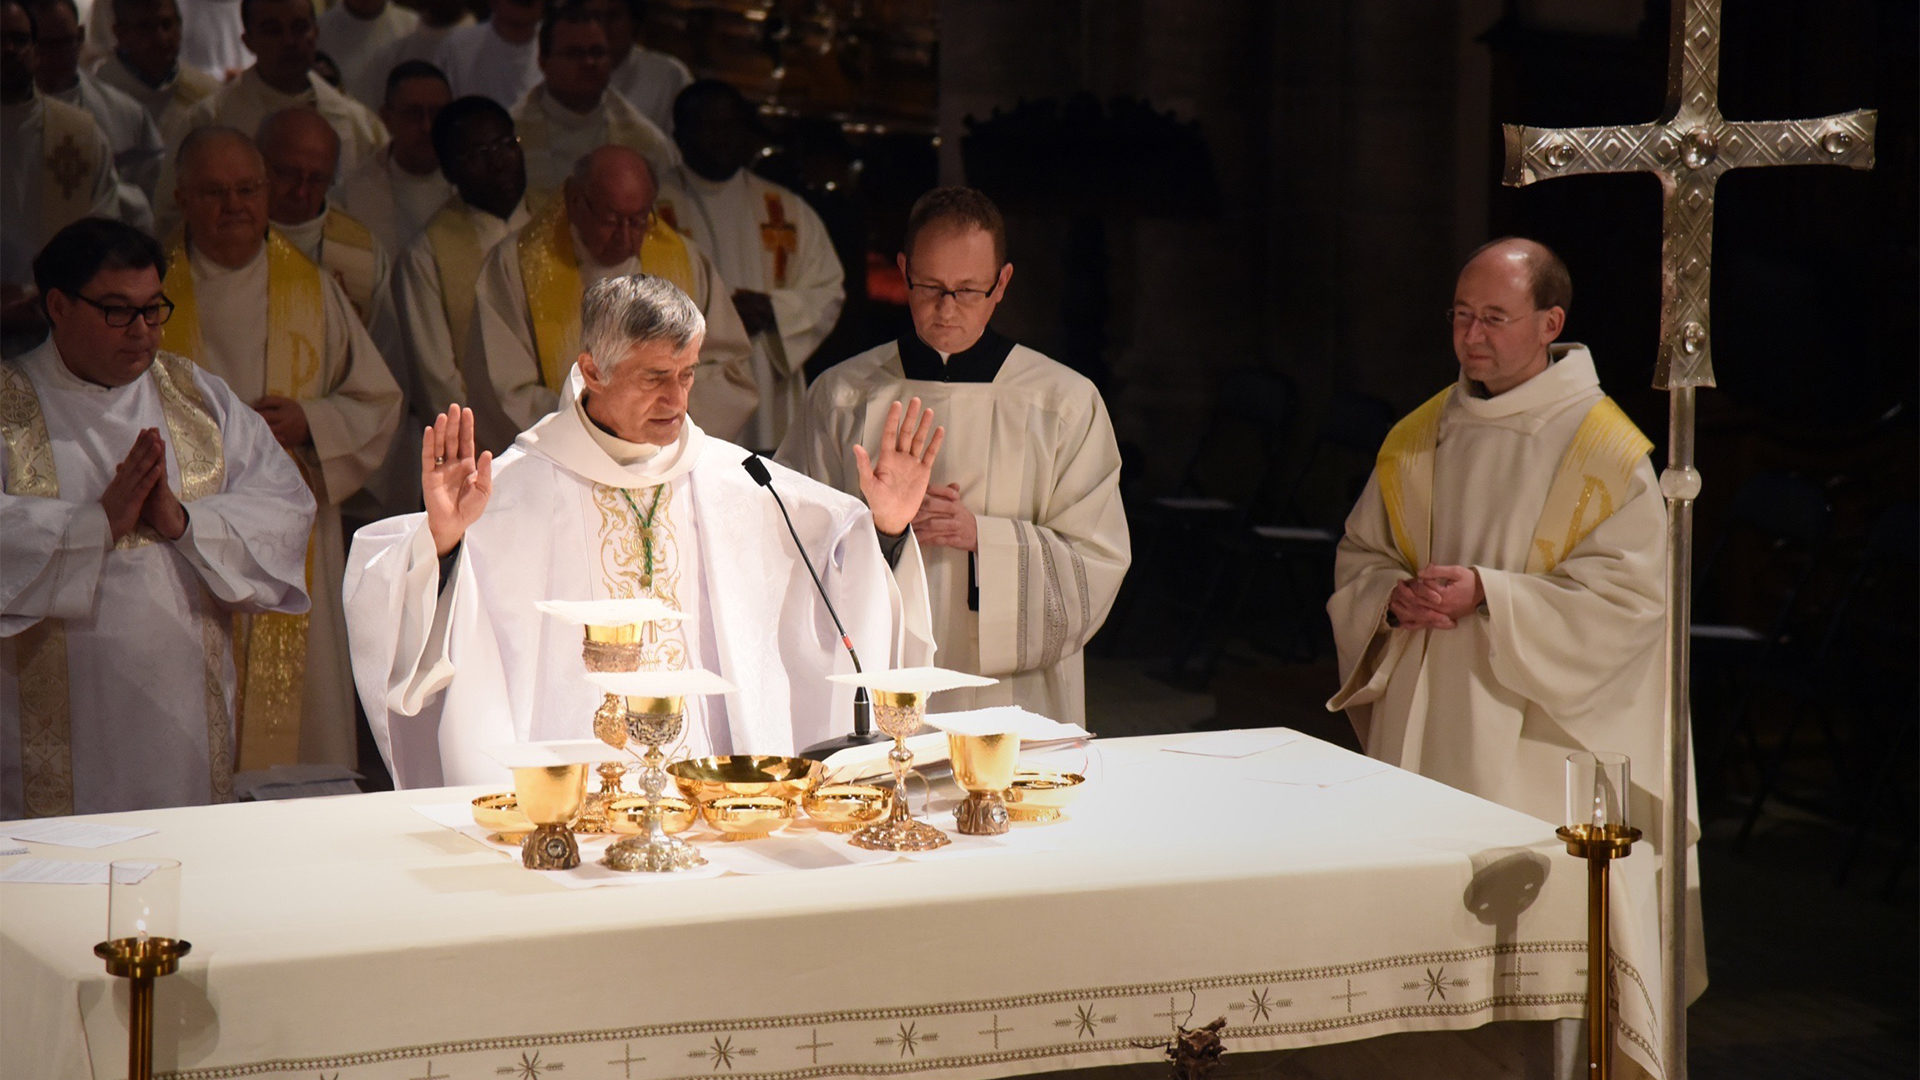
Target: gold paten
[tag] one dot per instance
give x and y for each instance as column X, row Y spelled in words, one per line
column 899, row 713
column 550, row 796
column 844, row 808
column 748, row 817
column 627, row 815
column 982, row 765
column 785, row 778
column 1041, row 795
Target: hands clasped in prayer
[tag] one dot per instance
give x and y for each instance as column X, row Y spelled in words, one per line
column 895, row 485
column 1437, row 599
column 139, row 492
column 454, row 483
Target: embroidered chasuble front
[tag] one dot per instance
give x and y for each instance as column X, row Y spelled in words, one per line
column 68, row 161
column 271, row 648
column 40, row 653
column 551, row 271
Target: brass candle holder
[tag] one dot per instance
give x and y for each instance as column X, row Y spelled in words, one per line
column 899, row 709
column 653, row 715
column 143, row 901
column 1597, row 787
column 983, row 766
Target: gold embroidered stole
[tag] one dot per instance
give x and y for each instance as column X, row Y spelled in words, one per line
column 456, row 255
column 347, row 251
column 40, row 651
column 550, row 272
column 69, row 160
column 271, row 652
column 1589, row 483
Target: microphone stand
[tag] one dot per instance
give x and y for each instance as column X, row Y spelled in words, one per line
column 862, row 733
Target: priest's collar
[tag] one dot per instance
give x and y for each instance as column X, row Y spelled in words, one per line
column 620, row 450
column 568, row 438
column 172, row 76
column 976, row 364
column 1570, row 373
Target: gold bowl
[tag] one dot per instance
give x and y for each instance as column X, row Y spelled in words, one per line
column 1041, row 794
column 747, row 817
column 628, row 815
column 500, row 813
column 706, row 779
column 846, row 807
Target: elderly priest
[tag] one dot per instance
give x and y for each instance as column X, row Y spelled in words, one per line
column 144, row 505
column 618, row 493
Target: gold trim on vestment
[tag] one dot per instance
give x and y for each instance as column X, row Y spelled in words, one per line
column 46, row 707
column 550, row 273
column 623, row 568
column 357, row 273
column 455, row 244
column 270, row 654
column 1405, row 469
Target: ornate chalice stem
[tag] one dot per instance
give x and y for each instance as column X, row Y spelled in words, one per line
column 654, row 723
column 899, row 714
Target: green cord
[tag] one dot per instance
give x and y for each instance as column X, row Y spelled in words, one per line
column 646, row 530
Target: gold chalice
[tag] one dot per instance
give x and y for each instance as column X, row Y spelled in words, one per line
column 983, row 765
column 653, row 714
column 550, row 796
column 899, row 709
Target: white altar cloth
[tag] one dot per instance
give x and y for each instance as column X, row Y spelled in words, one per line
column 352, row 937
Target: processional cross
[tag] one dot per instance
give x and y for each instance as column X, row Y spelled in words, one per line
column 1688, row 151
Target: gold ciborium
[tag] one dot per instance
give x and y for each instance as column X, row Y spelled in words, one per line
column 550, row 796
column 653, row 715
column 613, row 640
column 983, row 766
column 899, row 709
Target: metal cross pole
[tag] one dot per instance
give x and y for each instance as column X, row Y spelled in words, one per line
column 1688, row 151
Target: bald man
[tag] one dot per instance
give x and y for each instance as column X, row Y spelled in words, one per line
column 1501, row 589
column 526, row 316
column 252, row 309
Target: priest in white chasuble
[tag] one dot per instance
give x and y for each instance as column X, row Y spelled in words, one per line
column 142, row 505
column 766, row 241
column 1500, row 592
column 571, row 112
column 255, row 311
column 137, row 150
column 618, row 493
column 1026, row 540
column 395, row 191
column 281, row 34
column 434, row 281
column 526, row 314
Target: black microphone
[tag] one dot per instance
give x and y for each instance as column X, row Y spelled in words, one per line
column 863, row 733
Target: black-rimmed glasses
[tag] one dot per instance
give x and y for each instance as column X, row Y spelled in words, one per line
column 120, row 316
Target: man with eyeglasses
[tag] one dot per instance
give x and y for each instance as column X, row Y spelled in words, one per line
column 57, row 168
column 143, row 506
column 279, row 329
column 395, row 191
column 1501, row 589
column 572, row 111
column 526, row 317
column 434, row 281
column 768, row 243
column 1024, row 535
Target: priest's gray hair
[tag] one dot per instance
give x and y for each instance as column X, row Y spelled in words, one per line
column 621, row 312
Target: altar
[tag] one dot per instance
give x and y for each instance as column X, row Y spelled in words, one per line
column 1304, row 894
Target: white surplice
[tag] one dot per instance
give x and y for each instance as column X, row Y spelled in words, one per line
column 554, row 137
column 650, row 80
column 1030, row 445
column 358, row 45
column 502, row 373
column 446, row 673
column 479, row 61
column 791, row 260
column 390, row 201
column 138, row 619
column 434, row 347
column 351, row 424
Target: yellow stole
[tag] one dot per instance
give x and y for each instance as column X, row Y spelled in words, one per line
column 40, row 651
column 69, row 160
column 1588, row 485
column 456, row 254
column 551, row 273
column 347, row 252
column 271, row 650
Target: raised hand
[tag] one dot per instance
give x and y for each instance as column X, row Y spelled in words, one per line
column 133, row 480
column 895, row 484
column 454, row 483
column 945, row 521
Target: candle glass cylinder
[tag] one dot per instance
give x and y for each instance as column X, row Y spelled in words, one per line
column 143, row 900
